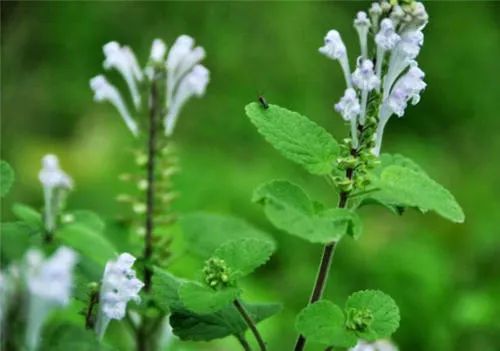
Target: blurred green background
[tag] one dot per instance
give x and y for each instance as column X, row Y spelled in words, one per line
column 445, row 277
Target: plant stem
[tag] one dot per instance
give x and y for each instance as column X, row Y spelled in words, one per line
column 244, row 343
column 148, row 239
column 325, row 263
column 251, row 324
column 89, row 317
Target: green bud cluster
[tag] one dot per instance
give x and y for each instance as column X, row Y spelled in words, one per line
column 217, row 273
column 358, row 319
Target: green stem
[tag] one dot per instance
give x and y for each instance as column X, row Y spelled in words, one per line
column 250, row 323
column 243, row 342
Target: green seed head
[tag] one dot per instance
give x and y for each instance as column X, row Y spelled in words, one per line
column 217, row 273
column 359, row 319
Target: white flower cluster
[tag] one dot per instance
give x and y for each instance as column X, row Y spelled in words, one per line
column 379, row 345
column 119, row 285
column 185, row 78
column 49, row 282
column 55, row 183
column 398, row 38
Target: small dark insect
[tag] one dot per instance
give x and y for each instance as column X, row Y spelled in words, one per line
column 263, row 102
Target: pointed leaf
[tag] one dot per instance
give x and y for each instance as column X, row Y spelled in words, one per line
column 205, row 232
column 244, row 256
column 297, row 137
column 28, row 214
column 289, row 208
column 203, row 300
column 324, row 322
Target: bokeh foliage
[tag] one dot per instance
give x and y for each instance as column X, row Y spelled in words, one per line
column 443, row 276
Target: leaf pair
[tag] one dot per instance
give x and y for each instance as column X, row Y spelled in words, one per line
column 289, row 208
column 402, row 183
column 368, row 315
column 240, row 257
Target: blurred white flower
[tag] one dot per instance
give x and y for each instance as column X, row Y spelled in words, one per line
column 379, row 345
column 185, row 77
column 119, row 286
column 124, row 61
column 55, row 183
column 158, row 50
column 9, row 287
column 349, row 109
column 49, row 282
column 362, row 25
column 386, row 39
column 335, row 49
column 375, row 11
column 105, row 91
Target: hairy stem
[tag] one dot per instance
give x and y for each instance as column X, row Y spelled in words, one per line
column 149, row 225
column 326, row 262
column 251, row 324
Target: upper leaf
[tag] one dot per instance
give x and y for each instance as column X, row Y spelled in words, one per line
column 6, row 178
column 191, row 326
column 244, row 256
column 289, row 208
column 407, row 187
column 324, row 322
column 205, row 232
column 381, row 307
column 28, row 215
column 297, row 137
column 202, row 299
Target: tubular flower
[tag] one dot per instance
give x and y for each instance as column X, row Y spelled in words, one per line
column 365, row 79
column 362, row 25
column 49, row 283
column 105, row 91
column 348, row 107
column 386, row 39
column 375, row 11
column 119, row 286
column 55, row 183
column 335, row 49
column 158, row 50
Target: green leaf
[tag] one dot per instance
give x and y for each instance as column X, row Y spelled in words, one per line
column 28, row 214
column 387, row 160
column 203, row 300
column 6, row 178
column 244, row 256
column 289, row 208
column 205, row 232
column 16, row 238
column 297, row 137
column 88, row 242
column 191, row 326
column 165, row 290
column 324, row 322
column 407, row 187
column 384, row 310
column 85, row 218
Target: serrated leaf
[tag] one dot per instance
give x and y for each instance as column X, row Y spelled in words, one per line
column 289, row 208
column 297, row 137
column 191, row 326
column 244, row 256
column 205, row 232
column 203, row 300
column 324, row 322
column 6, row 178
column 28, row 214
column 90, row 243
column 383, row 308
column 407, row 187
column 387, row 160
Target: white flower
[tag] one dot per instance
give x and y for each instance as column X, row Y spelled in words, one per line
column 51, row 279
column 158, row 50
column 362, row 25
column 119, row 286
column 397, row 14
column 363, row 77
column 379, row 345
column 49, row 283
column 375, row 11
column 185, row 77
column 105, row 91
column 416, row 17
column 402, row 55
column 407, row 88
column 348, row 106
column 123, row 60
column 335, row 49
column 55, row 183
column 386, row 38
